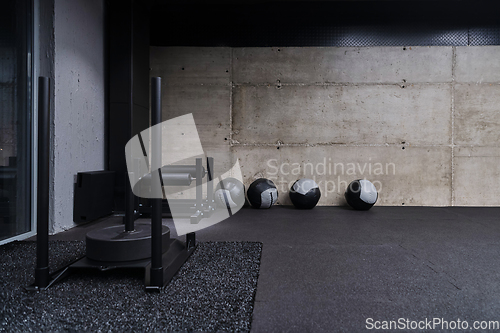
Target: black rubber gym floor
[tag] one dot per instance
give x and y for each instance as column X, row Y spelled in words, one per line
column 330, row 269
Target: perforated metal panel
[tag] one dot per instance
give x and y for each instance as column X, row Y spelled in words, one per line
column 484, row 36
column 353, row 23
column 372, row 36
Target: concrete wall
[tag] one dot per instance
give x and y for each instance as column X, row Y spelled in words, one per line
column 74, row 59
column 422, row 123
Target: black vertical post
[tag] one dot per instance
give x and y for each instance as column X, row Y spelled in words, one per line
column 156, row 227
column 199, row 189
column 129, row 218
column 128, row 85
column 42, row 276
column 210, row 185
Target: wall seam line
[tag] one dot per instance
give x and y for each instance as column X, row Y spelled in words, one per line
column 338, row 84
column 453, row 64
column 329, row 144
column 231, row 97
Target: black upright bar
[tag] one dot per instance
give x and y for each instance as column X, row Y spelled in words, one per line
column 156, row 212
column 199, row 189
column 210, row 184
column 129, row 218
column 42, row 276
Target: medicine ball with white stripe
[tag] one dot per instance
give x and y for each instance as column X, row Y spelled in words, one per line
column 361, row 194
column 262, row 193
column 305, row 193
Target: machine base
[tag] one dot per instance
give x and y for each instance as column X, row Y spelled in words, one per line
column 115, row 244
column 172, row 259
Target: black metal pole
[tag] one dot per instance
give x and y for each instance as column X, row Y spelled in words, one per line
column 42, row 276
column 129, row 218
column 156, row 227
column 210, row 184
column 199, row 189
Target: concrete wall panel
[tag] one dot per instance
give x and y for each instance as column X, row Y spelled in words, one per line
column 343, row 64
column 477, row 176
column 209, row 105
column 417, row 114
column 478, row 64
column 477, row 120
column 192, row 65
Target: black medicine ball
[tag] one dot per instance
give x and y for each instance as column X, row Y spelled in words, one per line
column 262, row 193
column 305, row 193
column 361, row 194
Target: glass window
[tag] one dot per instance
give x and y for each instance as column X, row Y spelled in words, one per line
column 15, row 117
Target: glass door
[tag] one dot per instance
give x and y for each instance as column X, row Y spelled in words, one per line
column 15, row 119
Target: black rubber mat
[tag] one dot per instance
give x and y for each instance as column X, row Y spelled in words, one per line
column 329, row 269
column 214, row 291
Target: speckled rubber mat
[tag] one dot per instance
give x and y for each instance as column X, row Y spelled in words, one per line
column 213, row 292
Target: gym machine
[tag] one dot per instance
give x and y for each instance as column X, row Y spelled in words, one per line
column 141, row 245
column 182, row 175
